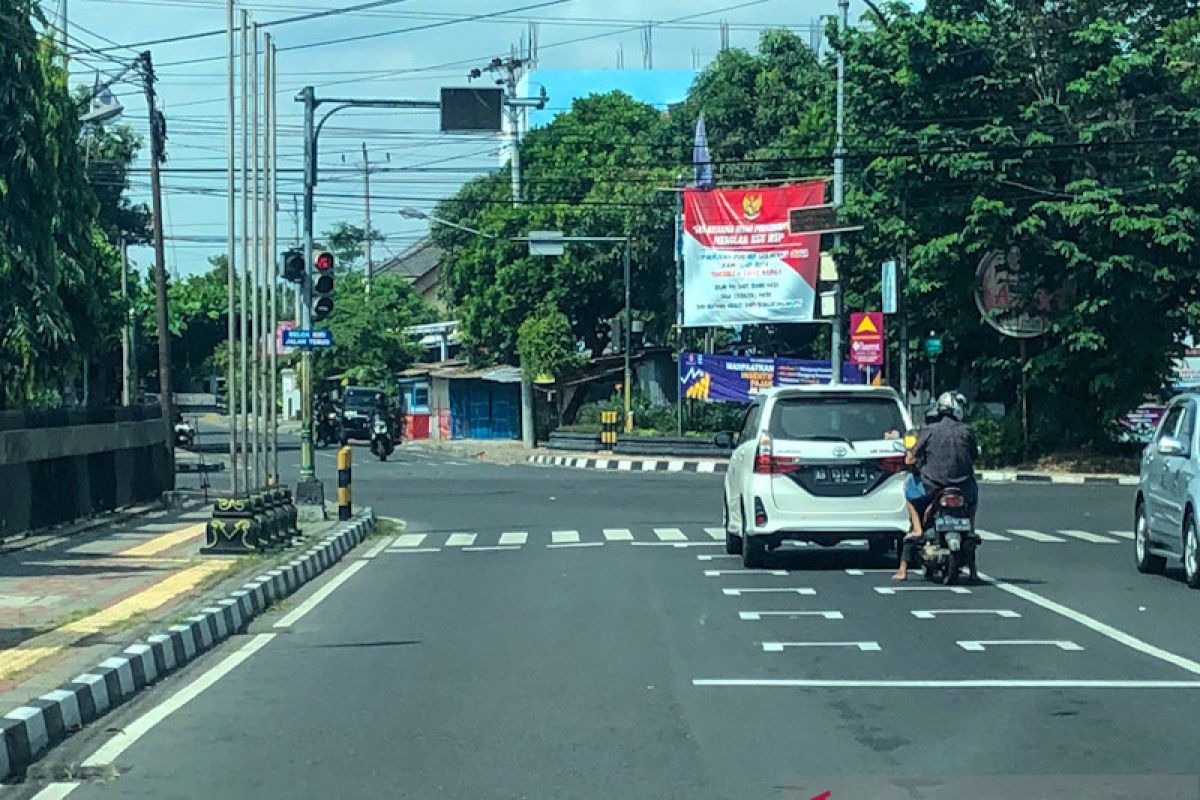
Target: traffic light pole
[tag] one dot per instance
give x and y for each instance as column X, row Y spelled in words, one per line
column 310, row 492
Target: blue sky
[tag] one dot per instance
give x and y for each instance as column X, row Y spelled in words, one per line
column 405, row 63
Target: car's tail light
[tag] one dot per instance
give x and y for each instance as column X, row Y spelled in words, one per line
column 951, row 501
column 767, row 463
column 760, row 513
column 892, row 464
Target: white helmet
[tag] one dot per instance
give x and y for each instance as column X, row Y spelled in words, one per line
column 952, row 404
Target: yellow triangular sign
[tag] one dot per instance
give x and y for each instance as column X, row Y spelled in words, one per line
column 865, row 325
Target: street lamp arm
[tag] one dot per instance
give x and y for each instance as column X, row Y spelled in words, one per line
column 412, row 213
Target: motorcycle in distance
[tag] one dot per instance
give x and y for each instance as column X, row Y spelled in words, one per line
column 381, row 438
column 950, row 539
column 329, row 429
column 185, row 434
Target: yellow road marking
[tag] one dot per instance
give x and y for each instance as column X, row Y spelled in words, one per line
column 17, row 659
column 165, row 542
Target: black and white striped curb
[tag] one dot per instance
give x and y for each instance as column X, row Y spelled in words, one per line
column 680, row 465
column 630, row 464
column 32, row 729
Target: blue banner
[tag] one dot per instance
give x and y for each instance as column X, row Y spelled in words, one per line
column 732, row 378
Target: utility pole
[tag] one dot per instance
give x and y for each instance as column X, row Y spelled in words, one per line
column 272, row 271
column 158, row 136
column 511, row 68
column 127, row 384
column 243, row 364
column 367, row 211
column 231, row 254
column 902, row 304
column 256, row 384
column 309, row 490
column 839, row 190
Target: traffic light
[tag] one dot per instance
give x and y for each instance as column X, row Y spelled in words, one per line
column 293, row 266
column 322, row 288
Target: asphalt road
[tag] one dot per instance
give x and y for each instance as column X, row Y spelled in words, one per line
column 550, row 633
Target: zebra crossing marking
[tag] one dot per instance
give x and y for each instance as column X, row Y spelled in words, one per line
column 564, row 537
column 1036, row 536
column 1088, row 536
column 460, row 540
column 670, row 535
column 409, row 540
column 618, row 535
column 514, row 538
column 716, row 533
column 988, row 536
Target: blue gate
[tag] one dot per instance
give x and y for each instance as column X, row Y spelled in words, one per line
column 484, row 410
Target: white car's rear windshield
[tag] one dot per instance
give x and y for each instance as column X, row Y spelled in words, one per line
column 852, row 419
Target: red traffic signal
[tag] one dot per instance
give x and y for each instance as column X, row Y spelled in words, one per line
column 322, row 286
column 323, row 261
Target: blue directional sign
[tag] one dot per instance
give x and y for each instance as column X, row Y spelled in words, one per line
column 305, row 339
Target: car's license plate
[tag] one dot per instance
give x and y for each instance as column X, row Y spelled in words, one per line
column 952, row 524
column 836, row 475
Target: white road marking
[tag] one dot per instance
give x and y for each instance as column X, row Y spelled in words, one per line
column 416, row 550
column 741, row 591
column 944, row 684
column 114, row 747
column 670, row 535
column 756, row 616
column 618, row 534
column 1036, row 536
column 714, row 573
column 1088, row 536
column 1097, row 626
column 894, row 589
column 709, row 557
column 490, row 548
column 716, row 533
column 561, row 545
column 1123, row 534
column 460, row 540
column 379, row 548
column 981, row 645
column 931, row 613
column 676, row 544
column 514, row 538
column 55, row 791
column 856, row 571
column 778, row 647
column 988, row 536
column 564, row 537
column 410, row 539
column 292, row 617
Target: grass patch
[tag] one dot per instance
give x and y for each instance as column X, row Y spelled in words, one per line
column 388, row 526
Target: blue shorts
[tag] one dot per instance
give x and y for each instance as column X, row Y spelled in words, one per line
column 916, row 493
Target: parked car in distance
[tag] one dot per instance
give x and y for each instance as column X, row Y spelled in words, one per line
column 1169, row 493
column 816, row 463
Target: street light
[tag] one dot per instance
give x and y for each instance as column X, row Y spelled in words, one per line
column 409, row 212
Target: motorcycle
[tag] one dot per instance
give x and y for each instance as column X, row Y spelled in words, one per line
column 381, row 438
column 329, row 429
column 185, row 434
column 950, row 539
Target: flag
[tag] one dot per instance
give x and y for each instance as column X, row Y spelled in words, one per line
column 700, row 158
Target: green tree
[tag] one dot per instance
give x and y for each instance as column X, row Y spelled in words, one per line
column 546, row 344
column 348, row 243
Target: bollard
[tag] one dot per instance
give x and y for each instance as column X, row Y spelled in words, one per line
column 343, row 483
column 233, row 529
column 608, row 430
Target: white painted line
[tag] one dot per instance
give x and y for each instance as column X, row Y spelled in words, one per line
column 416, row 550
column 894, row 589
column 292, row 617
column 618, row 534
column 489, row 548
column 931, row 613
column 778, row 647
column 670, row 535
column 706, row 466
column 988, row 536
column 573, row 544
column 756, row 616
column 1122, row 534
column 602, row 463
column 648, row 466
column 114, row 747
column 940, row 684
column 1097, row 626
column 676, row 544
column 714, row 558
column 379, row 548
column 564, row 537
column 741, row 591
column 514, row 538
column 981, row 645
column 625, row 466
column 410, row 539
column 716, row 533
column 1036, row 536
column 55, row 791
column 674, row 466
column 715, row 573
column 460, row 540
column 1088, row 536
column 855, row 571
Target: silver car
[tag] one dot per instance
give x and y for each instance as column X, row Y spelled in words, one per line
column 1169, row 493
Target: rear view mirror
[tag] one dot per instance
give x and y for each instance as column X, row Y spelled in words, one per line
column 1172, row 446
column 725, row 439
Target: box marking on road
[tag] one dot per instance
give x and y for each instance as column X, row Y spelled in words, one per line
column 1088, row 536
column 410, row 539
column 1036, row 536
column 779, row 647
column 514, row 537
column 716, row 573
column 460, row 540
column 564, row 537
column 981, row 645
column 756, row 616
column 738, row 592
column 618, row 534
column 932, row 613
column 894, row 589
column 716, row 533
column 670, row 535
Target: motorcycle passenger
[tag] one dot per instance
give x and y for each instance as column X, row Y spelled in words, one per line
column 943, row 457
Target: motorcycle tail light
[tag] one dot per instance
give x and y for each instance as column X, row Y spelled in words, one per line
column 951, row 501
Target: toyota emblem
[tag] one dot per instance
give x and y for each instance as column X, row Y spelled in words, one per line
column 840, row 451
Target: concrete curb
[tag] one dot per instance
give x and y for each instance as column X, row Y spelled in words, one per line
column 681, row 465
column 28, row 732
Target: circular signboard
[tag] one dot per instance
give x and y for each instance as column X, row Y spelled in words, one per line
column 1008, row 298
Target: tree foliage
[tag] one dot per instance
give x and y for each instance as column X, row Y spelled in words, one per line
column 348, row 244
column 546, row 343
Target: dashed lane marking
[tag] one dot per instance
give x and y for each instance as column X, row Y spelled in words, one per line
column 894, row 589
column 1088, row 536
column 562, row 545
column 716, row 573
column 988, row 536
column 932, row 613
column 1123, row 534
column 779, row 647
column 1036, row 536
column 460, row 540
column 514, row 538
column 738, row 592
column 756, row 616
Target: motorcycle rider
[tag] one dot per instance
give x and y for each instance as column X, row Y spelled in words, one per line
column 326, row 410
column 944, row 456
column 380, row 411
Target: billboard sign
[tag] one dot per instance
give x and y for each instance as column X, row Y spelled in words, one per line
column 742, row 265
column 736, row 379
column 866, row 338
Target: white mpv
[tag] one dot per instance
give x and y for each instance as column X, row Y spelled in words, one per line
column 816, row 463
